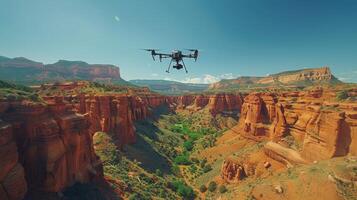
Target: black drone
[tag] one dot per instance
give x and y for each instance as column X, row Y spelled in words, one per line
column 176, row 56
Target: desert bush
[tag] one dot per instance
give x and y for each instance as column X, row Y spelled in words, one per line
column 185, row 191
column 203, row 188
column 212, row 186
column 203, row 163
column 207, row 168
column 342, row 95
column 158, row 172
column 182, row 159
column 188, row 145
column 222, row 189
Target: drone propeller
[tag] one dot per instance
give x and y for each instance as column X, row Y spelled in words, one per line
column 153, row 53
column 150, row 49
column 194, row 54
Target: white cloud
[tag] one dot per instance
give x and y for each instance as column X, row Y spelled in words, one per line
column 168, row 79
column 116, row 18
column 344, row 78
column 210, row 79
column 205, row 79
column 192, row 80
column 227, row 76
column 154, row 74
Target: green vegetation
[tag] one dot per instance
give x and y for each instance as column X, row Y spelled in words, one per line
column 14, row 92
column 212, row 186
column 85, row 88
column 177, row 138
column 203, row 188
column 134, row 180
column 342, row 95
column 222, row 189
column 182, row 189
column 182, row 159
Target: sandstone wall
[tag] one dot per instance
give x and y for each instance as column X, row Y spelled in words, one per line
column 325, row 128
column 54, row 147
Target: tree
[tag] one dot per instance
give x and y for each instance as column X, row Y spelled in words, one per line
column 222, row 189
column 188, row 145
column 207, row 168
column 158, row 172
column 342, row 95
column 203, row 188
column 185, row 191
column 212, row 186
column 182, row 160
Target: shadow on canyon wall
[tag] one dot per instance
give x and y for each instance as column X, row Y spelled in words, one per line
column 142, row 151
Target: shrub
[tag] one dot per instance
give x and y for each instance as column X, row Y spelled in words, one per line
column 182, row 160
column 185, row 191
column 158, row 172
column 175, row 170
column 195, row 160
column 222, row 189
column 342, row 95
column 207, row 168
column 203, row 188
column 212, row 186
column 188, row 145
column 134, row 197
column 193, row 168
column 203, row 163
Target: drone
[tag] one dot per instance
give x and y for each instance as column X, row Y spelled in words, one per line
column 176, row 56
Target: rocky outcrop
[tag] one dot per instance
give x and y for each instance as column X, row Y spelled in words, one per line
column 289, row 78
column 257, row 110
column 232, row 171
column 216, row 104
column 114, row 114
column 282, row 154
column 54, row 146
column 321, row 127
column 92, row 72
column 29, row 72
column 252, row 164
column 314, row 74
column 12, row 178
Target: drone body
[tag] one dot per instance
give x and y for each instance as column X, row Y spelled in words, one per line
column 176, row 56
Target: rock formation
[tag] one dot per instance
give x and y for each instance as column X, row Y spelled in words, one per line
column 216, row 104
column 324, row 128
column 288, row 78
column 54, row 146
column 12, row 178
column 59, row 71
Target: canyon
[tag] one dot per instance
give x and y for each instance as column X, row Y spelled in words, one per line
column 48, row 145
column 49, row 137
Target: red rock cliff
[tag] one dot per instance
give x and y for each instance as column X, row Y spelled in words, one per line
column 218, row 103
column 324, row 128
column 54, row 146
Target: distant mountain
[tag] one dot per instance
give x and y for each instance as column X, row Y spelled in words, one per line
column 296, row 78
column 170, row 87
column 24, row 71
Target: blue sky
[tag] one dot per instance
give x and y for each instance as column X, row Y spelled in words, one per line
column 238, row 37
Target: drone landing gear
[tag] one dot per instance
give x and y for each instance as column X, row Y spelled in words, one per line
column 178, row 66
column 168, row 69
column 184, row 66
